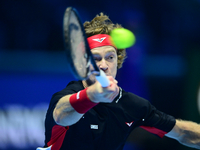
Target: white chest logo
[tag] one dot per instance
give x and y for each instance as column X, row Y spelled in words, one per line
column 99, row 40
column 93, row 126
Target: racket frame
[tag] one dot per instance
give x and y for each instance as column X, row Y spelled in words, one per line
column 100, row 75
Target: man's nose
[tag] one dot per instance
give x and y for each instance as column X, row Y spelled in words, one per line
column 103, row 65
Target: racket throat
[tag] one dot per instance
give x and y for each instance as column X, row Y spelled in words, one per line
column 96, row 73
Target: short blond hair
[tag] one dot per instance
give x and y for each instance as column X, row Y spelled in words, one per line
column 101, row 24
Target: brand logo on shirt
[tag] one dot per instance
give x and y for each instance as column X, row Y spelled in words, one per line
column 129, row 123
column 93, row 126
column 99, row 40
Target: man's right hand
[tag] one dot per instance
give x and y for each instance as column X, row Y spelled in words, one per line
column 96, row 93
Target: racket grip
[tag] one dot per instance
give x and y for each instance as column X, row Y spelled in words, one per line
column 103, row 80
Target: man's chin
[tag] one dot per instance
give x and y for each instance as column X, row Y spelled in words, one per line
column 107, row 74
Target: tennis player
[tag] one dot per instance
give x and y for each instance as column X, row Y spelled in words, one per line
column 86, row 116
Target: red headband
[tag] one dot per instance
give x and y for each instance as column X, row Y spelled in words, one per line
column 100, row 40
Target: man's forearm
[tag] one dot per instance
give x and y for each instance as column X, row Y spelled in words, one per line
column 187, row 133
column 64, row 114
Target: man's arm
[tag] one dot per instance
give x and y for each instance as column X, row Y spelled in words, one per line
column 65, row 115
column 187, row 133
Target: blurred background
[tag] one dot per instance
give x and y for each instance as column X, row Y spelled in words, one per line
column 163, row 66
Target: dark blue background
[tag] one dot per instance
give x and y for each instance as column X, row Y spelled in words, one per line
column 163, row 65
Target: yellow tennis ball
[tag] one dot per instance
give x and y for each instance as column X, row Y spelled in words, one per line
column 122, row 38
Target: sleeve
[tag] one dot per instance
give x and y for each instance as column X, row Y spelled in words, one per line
column 149, row 118
column 72, row 87
column 157, row 122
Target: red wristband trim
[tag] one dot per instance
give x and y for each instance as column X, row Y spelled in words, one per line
column 80, row 102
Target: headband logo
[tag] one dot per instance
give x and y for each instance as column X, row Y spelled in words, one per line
column 99, row 40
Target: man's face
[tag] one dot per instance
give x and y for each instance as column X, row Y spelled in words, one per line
column 106, row 59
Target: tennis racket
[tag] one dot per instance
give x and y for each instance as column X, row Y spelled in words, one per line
column 79, row 56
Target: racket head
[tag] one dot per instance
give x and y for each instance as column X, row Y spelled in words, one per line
column 79, row 56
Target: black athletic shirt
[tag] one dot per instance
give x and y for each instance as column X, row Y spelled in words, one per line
column 107, row 125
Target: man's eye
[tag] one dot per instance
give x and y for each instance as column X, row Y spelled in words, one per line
column 111, row 57
column 96, row 59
